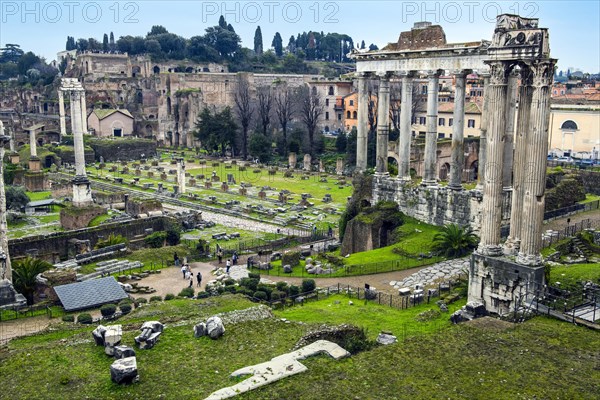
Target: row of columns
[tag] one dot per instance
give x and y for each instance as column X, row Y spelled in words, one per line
column 527, row 209
column 383, row 122
column 81, row 115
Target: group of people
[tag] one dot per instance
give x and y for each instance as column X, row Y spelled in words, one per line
column 187, row 273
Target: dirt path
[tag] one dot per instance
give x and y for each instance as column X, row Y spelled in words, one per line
column 22, row 327
column 561, row 223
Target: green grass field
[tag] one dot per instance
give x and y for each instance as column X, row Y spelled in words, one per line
column 540, row 358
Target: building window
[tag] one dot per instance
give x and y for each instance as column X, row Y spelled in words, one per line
column 442, row 121
column 471, row 123
column 326, row 102
column 422, row 120
column 351, row 102
column 331, row 90
column 326, row 115
column 339, row 117
column 354, row 115
column 424, row 89
column 348, row 114
column 441, row 135
column 450, row 121
column 414, row 120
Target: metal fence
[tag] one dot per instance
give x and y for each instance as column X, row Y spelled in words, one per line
column 569, row 231
column 574, row 209
column 401, row 302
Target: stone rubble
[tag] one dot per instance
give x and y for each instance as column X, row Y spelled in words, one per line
column 438, row 272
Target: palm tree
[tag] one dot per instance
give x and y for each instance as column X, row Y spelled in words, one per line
column 454, row 241
column 111, row 240
column 24, row 273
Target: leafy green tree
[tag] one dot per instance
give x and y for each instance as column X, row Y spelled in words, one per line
column 24, row 274
column 105, row 42
column 258, row 41
column 26, row 62
column 341, row 142
column 11, row 53
column 157, row 30
column 222, row 22
column 217, row 130
column 111, row 240
column 277, row 44
column 260, row 147
column 454, row 241
column 223, row 40
column 16, row 198
column 70, row 43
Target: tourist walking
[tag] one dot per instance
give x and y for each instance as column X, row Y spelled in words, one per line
column 176, row 259
column 199, row 278
column 234, row 258
column 191, row 281
column 228, row 265
column 183, row 271
column 220, row 256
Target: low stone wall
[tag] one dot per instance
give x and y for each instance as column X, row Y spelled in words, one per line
column 54, row 247
column 79, row 217
column 436, row 206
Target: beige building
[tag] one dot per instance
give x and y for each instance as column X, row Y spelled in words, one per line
column 110, row 122
column 332, row 92
column 446, row 121
column 575, row 129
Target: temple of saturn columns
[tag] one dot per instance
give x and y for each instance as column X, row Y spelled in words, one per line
column 82, row 192
column 517, row 68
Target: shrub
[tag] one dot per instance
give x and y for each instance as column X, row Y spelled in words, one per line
column 229, row 282
column 308, row 285
column 230, row 289
column 265, row 288
column 203, row 295
column 254, row 275
column 108, row 310
column 288, row 174
column 454, row 241
column 125, row 308
column 155, row 298
column 292, row 258
column 249, row 283
column 277, row 295
column 187, row 292
column 85, row 318
column 173, row 236
column 282, row 286
column 294, row 290
column 68, row 318
column 141, row 300
column 169, row 296
column 260, row 295
column 156, row 240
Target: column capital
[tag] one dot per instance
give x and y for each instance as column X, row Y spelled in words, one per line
column 407, row 74
column 543, row 72
column 363, row 75
column 433, row 73
column 461, row 73
column 498, row 73
column 384, row 75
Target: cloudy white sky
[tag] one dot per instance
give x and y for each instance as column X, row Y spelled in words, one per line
column 43, row 26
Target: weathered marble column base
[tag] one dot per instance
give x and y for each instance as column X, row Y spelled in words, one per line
column 532, row 260
column 511, row 246
column 455, row 187
column 490, row 250
column 82, row 191
column 429, row 183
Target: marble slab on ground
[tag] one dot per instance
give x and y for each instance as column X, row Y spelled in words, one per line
column 278, row 368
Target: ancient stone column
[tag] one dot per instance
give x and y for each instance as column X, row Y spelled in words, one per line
column 534, row 182
column 61, row 113
column 181, row 175
column 405, row 126
column 292, row 160
column 430, row 159
column 339, row 166
column 5, row 273
column 383, row 124
column 307, row 162
column 489, row 244
column 511, row 107
column 362, row 126
column 32, row 143
column 483, row 127
column 511, row 246
column 458, row 128
column 82, row 192
column 84, row 126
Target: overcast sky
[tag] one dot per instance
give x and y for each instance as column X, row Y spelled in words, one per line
column 43, row 26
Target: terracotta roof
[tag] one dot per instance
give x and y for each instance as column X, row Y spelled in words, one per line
column 103, row 113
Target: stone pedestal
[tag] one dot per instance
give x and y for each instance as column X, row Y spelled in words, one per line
column 307, row 162
column 82, row 191
column 339, row 166
column 34, row 164
column 14, row 158
column 9, row 298
column 36, row 181
column 292, row 160
column 501, row 284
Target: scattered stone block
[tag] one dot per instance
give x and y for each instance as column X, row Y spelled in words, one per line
column 123, row 352
column 386, row 339
column 124, row 370
column 214, row 327
column 200, row 330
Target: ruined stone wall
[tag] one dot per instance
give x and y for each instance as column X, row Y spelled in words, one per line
column 439, row 206
column 54, row 247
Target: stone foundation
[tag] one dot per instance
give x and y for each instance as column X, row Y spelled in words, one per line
column 79, row 217
column 500, row 283
column 35, row 181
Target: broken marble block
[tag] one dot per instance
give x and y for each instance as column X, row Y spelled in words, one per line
column 151, row 331
column 98, row 335
column 124, row 370
column 386, row 338
column 112, row 338
column 200, row 330
column 214, row 327
column 123, row 352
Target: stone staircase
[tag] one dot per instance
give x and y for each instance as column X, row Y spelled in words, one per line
column 582, row 248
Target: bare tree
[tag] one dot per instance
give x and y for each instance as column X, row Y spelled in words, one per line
column 311, row 109
column 244, row 109
column 284, row 108
column 265, row 105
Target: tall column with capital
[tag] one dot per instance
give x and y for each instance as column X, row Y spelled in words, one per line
column 61, row 114
column 534, row 183
column 458, row 128
column 362, row 126
column 430, row 176
column 82, row 193
column 383, row 124
column 405, row 127
column 513, row 241
column 181, row 175
column 509, row 135
column 483, row 127
column 489, row 244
